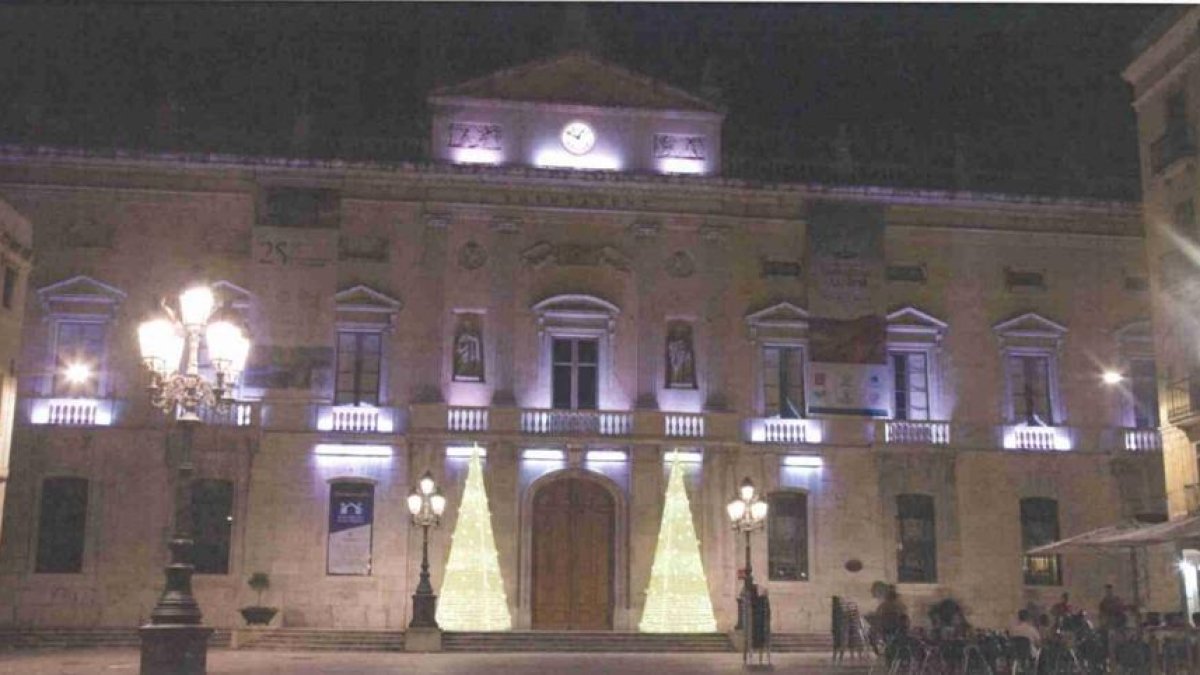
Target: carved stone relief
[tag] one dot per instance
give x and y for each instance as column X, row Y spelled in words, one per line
column 582, row 255
column 472, row 256
column 680, row 265
column 681, row 357
column 468, row 349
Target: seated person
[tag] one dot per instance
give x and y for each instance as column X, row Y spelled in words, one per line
column 1023, row 628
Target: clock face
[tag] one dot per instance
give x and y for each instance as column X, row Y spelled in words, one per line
column 578, row 138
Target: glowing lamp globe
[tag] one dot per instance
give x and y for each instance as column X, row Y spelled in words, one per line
column 78, row 373
column 426, row 485
column 161, row 345
column 747, row 490
column 196, row 304
column 224, row 344
column 438, row 503
column 736, row 509
column 414, row 503
column 758, row 511
column 1112, row 377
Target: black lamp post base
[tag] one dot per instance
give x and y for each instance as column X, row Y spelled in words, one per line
column 174, row 649
column 424, row 611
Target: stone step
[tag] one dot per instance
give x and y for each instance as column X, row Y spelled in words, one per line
column 801, row 642
column 68, row 638
column 590, row 641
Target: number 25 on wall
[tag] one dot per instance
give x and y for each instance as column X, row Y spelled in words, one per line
column 274, row 252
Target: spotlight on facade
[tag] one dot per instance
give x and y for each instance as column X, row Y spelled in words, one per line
column 78, row 373
column 1112, row 377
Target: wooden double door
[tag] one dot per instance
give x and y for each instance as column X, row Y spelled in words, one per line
column 573, row 521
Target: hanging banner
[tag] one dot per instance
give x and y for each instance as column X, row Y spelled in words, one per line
column 351, row 515
column 848, row 370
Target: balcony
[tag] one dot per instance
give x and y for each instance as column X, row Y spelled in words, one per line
column 681, row 425
column 72, row 412
column 1038, row 438
column 1183, row 401
column 906, row 432
column 783, row 431
column 1141, row 440
column 1177, row 143
column 466, row 419
column 241, row 414
column 576, row 422
column 356, row 419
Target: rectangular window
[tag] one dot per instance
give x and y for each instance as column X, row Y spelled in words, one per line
column 1143, row 385
column 1039, row 526
column 358, row 368
column 911, row 370
column 10, row 286
column 787, row 536
column 212, row 523
column 78, row 343
column 1029, row 383
column 575, row 379
column 783, row 382
column 61, row 526
column 916, row 557
column 351, row 520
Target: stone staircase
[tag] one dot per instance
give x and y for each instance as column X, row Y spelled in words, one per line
column 584, row 641
column 320, row 639
column 802, row 642
column 91, row 638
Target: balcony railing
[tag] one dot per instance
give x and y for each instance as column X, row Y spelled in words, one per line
column 466, row 419
column 1142, row 440
column 71, row 412
column 576, row 422
column 788, row 431
column 677, row 425
column 1183, row 400
column 1178, row 142
column 906, row 432
column 1025, row 437
column 356, row 419
column 235, row 415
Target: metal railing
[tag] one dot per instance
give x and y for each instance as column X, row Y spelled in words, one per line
column 911, row 432
column 576, row 422
column 234, row 415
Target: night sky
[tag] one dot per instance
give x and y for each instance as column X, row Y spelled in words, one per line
column 1031, row 89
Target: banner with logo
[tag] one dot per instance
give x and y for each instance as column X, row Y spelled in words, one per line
column 351, row 515
column 848, row 370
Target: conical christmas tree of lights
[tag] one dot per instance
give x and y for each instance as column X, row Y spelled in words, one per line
column 472, row 591
column 677, row 600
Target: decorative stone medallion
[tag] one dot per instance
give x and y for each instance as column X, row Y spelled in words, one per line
column 472, row 256
column 680, row 265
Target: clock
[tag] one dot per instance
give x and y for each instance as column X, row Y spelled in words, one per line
column 578, row 138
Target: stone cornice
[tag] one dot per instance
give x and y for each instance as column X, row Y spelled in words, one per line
column 522, row 187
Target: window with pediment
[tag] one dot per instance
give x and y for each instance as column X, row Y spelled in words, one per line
column 79, row 315
column 364, row 319
column 1029, row 348
column 577, row 334
column 914, row 350
column 1135, row 342
column 780, row 335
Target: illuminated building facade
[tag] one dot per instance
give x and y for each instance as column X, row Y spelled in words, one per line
column 910, row 377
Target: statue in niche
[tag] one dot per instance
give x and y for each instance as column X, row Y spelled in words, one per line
column 468, row 349
column 681, row 360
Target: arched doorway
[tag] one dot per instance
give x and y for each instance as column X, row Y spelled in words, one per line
column 572, row 556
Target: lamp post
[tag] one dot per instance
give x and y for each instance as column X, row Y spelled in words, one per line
column 747, row 513
column 426, row 504
column 175, row 641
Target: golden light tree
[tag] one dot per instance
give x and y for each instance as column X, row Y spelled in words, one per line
column 677, row 600
column 472, row 595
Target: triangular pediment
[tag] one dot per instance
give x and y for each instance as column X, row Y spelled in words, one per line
column 578, row 304
column 81, row 295
column 1030, row 324
column 362, row 298
column 781, row 314
column 576, row 78
column 231, row 295
column 912, row 321
column 1139, row 330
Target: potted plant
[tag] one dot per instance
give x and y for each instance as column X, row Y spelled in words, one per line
column 258, row 615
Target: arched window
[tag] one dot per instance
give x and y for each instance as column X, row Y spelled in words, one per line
column 1039, row 526
column 787, row 536
column 916, row 551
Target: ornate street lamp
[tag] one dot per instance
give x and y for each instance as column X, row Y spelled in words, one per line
column 747, row 513
column 175, row 641
column 426, row 504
